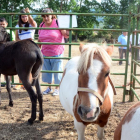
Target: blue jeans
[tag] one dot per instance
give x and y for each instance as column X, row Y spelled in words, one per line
column 54, row 65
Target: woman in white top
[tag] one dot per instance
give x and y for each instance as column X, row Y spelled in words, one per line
column 21, row 34
column 25, row 21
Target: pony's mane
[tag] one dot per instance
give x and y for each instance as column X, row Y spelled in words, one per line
column 88, row 54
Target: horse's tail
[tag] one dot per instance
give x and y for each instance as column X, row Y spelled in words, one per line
column 37, row 66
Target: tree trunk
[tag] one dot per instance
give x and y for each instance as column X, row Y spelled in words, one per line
column 80, row 3
column 61, row 6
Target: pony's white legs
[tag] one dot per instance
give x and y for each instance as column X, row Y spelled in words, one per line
column 100, row 132
column 80, row 127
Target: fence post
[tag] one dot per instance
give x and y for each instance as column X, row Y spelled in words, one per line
column 127, row 54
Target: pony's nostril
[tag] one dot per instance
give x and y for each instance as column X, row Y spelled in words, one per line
column 97, row 110
column 81, row 111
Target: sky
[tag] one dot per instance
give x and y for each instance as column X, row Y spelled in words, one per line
column 101, row 0
column 38, row 5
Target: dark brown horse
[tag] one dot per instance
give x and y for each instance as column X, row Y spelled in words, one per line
column 22, row 58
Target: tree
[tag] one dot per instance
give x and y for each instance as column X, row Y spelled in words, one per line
column 122, row 7
column 7, row 6
column 77, row 6
column 15, row 5
column 110, row 22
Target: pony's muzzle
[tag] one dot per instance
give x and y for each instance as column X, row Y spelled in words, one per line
column 88, row 114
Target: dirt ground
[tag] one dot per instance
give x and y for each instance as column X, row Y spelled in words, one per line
column 57, row 124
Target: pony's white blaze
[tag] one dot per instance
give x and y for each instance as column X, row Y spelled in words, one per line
column 93, row 73
column 93, row 102
column 131, row 129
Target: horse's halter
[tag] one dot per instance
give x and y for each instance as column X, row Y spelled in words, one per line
column 88, row 90
column 83, row 89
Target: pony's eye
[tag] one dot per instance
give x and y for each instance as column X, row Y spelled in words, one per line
column 107, row 74
column 78, row 72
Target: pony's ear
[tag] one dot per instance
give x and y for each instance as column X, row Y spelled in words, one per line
column 110, row 49
column 82, row 47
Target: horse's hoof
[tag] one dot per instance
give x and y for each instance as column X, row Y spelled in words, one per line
column 41, row 118
column 11, row 104
column 30, row 121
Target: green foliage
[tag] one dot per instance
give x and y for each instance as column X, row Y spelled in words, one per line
column 7, row 6
column 77, row 6
column 114, row 22
column 15, row 5
column 86, row 6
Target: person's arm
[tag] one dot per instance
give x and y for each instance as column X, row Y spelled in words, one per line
column 30, row 19
column 65, row 33
column 39, row 45
column 119, row 41
column 17, row 37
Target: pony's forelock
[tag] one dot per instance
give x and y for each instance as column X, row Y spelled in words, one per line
column 88, row 55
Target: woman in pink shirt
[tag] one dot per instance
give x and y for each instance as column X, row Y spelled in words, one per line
column 54, row 36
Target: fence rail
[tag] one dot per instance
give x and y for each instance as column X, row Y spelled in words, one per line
column 77, row 29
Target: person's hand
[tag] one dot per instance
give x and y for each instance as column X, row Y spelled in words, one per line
column 67, row 32
column 27, row 10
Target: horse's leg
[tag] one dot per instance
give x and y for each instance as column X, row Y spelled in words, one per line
column 0, row 88
column 24, row 77
column 40, row 99
column 80, row 127
column 33, row 98
column 100, row 132
column 36, row 74
column 8, row 87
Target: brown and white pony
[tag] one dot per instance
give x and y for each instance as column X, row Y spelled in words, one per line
column 86, row 91
column 129, row 127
